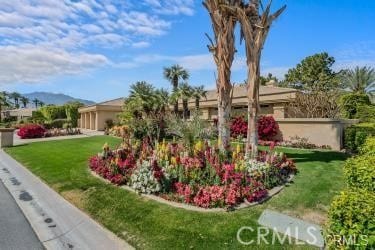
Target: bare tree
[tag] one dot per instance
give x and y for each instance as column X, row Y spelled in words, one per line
column 223, row 49
column 315, row 104
column 255, row 25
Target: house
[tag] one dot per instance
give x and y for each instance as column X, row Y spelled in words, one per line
column 272, row 100
column 18, row 114
column 94, row 117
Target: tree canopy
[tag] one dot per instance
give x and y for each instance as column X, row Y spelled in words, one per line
column 359, row 79
column 313, row 73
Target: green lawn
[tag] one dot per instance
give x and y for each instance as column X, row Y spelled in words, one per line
column 150, row 225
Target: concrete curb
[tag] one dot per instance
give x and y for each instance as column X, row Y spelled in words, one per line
column 57, row 223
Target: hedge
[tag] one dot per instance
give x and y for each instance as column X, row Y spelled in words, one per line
column 356, row 135
column 369, row 146
column 360, row 172
column 365, row 113
column 351, row 215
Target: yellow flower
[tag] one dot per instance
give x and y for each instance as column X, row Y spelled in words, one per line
column 105, row 146
column 219, row 142
column 173, row 160
column 234, row 155
column 198, row 146
column 238, row 149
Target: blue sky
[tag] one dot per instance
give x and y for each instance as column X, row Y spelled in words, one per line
column 95, row 49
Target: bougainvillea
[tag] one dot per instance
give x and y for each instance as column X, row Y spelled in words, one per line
column 238, row 127
column 31, row 131
column 267, row 127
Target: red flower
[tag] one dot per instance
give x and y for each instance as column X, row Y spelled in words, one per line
column 31, row 131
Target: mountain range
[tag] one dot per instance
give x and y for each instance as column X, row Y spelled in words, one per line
column 53, row 98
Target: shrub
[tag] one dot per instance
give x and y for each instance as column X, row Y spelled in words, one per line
column 109, row 123
column 58, row 123
column 267, row 127
column 37, row 117
column 238, row 127
column 355, row 136
column 360, row 172
column 31, row 131
column 369, row 146
column 351, row 217
column 349, row 104
column 52, row 112
column 71, row 112
column 365, row 113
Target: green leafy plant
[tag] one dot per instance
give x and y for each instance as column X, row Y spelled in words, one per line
column 350, row 103
column 355, row 136
column 360, row 172
column 351, row 221
column 369, row 146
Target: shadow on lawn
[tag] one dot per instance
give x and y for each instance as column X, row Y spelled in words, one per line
column 317, row 156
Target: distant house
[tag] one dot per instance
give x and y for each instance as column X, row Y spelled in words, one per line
column 273, row 101
column 18, row 114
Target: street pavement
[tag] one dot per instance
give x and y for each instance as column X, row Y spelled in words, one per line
column 57, row 223
column 15, row 230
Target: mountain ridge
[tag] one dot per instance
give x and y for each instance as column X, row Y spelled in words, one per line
column 54, row 98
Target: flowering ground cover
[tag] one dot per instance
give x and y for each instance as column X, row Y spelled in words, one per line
column 200, row 176
column 147, row 224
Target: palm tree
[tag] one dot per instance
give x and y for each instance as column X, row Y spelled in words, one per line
column 3, row 102
column 255, row 21
column 198, row 93
column 223, row 49
column 184, row 93
column 174, row 74
column 15, row 96
column 143, row 94
column 41, row 104
column 24, row 100
column 36, row 102
column 361, row 80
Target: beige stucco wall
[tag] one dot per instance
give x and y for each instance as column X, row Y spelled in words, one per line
column 102, row 116
column 319, row 131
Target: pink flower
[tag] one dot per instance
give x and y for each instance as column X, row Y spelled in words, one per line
column 202, row 199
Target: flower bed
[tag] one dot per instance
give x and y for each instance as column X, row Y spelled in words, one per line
column 32, row 131
column 200, row 176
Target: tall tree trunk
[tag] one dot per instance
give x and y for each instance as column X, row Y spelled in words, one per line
column 253, row 108
column 197, row 100
column 175, row 89
column 224, row 110
column 223, row 50
column 185, row 109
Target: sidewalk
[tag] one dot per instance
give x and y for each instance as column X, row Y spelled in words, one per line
column 57, row 223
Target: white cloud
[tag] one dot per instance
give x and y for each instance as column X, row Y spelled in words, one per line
column 141, row 45
column 172, row 7
column 32, row 64
column 356, row 54
column 63, row 31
